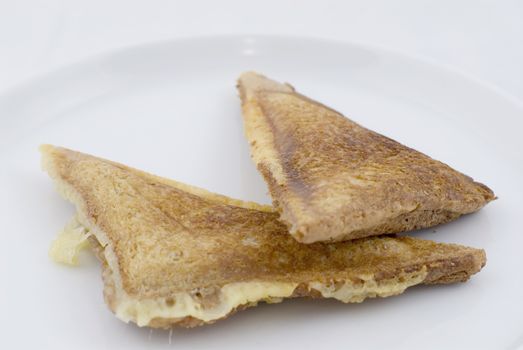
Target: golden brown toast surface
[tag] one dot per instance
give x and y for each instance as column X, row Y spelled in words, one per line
column 166, row 245
column 332, row 179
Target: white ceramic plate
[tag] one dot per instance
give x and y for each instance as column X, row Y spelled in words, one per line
column 172, row 109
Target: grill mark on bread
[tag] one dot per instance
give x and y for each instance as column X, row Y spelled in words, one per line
column 287, row 149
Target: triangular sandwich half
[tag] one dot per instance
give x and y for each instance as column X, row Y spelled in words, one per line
column 332, row 179
column 178, row 255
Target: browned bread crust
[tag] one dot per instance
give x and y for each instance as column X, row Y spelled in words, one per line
column 332, row 179
column 162, row 242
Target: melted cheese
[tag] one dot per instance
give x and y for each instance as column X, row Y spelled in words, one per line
column 232, row 295
column 236, row 294
column 69, row 242
column 350, row 292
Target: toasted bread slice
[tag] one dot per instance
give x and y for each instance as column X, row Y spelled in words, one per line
column 331, row 179
column 178, row 255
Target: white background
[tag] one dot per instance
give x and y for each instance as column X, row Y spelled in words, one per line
column 482, row 38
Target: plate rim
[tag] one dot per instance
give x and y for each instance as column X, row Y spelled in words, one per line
column 402, row 54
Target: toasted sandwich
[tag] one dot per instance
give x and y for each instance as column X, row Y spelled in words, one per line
column 177, row 255
column 332, row 179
